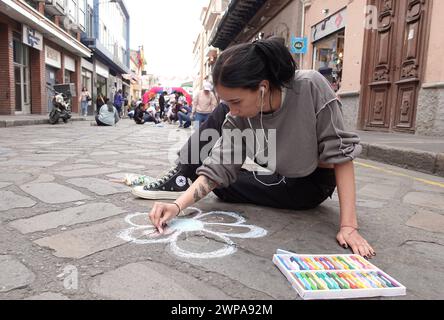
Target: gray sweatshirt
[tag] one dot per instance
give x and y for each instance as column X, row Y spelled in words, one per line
column 309, row 129
column 109, row 118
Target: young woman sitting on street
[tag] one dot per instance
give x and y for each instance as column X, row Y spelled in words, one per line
column 263, row 92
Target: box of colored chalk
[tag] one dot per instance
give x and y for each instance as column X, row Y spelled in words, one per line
column 336, row 276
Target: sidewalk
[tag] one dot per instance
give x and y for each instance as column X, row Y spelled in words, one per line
column 30, row 120
column 420, row 153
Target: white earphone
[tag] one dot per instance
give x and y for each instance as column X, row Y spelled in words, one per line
column 262, row 91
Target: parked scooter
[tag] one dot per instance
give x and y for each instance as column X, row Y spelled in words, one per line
column 61, row 110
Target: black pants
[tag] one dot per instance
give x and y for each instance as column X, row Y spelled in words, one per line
column 294, row 193
column 162, row 112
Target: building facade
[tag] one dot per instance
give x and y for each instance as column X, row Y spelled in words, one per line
column 381, row 57
column 205, row 55
column 39, row 48
column 107, row 34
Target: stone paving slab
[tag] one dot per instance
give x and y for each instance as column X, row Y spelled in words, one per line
column 84, row 242
column 53, row 193
column 428, row 221
column 87, row 172
column 100, row 186
column 10, row 200
column 48, row 296
column 423, row 199
column 153, row 281
column 104, row 153
column 360, row 202
column 251, row 271
column 17, row 178
column 44, row 178
column 4, row 184
column 78, row 166
column 378, row 191
column 418, row 266
column 68, row 217
column 14, row 275
column 27, row 163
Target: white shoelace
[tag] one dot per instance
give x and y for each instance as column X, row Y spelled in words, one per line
column 162, row 180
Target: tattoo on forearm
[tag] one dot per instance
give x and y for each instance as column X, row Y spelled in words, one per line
column 197, row 196
column 203, row 189
column 211, row 185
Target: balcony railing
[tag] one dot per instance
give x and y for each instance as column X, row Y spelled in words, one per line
column 55, row 7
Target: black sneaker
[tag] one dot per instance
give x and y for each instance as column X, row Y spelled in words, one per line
column 169, row 187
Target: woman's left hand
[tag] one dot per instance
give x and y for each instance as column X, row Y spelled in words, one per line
column 350, row 237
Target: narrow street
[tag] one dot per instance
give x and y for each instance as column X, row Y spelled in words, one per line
column 65, row 226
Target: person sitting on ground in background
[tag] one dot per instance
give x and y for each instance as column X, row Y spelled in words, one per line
column 108, row 115
column 151, row 114
column 131, row 109
column 184, row 115
column 139, row 113
column 172, row 111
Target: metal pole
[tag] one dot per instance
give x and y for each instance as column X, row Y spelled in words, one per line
column 301, row 56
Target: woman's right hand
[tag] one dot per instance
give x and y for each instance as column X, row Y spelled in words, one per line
column 161, row 213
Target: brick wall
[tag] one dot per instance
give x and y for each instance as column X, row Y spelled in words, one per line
column 76, row 78
column 7, row 88
column 39, row 102
column 60, row 74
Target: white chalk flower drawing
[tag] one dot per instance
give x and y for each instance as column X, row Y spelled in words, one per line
column 216, row 228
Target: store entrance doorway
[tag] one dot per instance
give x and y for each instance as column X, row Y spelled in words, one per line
column 21, row 77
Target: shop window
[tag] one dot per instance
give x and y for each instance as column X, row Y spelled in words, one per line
column 329, row 57
column 67, row 77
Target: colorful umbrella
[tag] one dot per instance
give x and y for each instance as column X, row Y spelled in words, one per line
column 156, row 90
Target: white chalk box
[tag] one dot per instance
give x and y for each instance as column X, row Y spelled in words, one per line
column 336, row 276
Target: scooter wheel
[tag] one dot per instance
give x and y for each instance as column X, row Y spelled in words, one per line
column 54, row 119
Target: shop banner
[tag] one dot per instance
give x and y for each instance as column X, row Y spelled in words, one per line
column 102, row 70
column 32, row 38
column 329, row 25
column 53, row 57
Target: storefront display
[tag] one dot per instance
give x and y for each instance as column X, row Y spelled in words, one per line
column 329, row 57
column 21, row 76
column 328, row 38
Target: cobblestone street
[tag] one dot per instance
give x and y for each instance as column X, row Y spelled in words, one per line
column 61, row 217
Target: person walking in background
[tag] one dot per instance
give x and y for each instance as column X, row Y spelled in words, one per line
column 107, row 116
column 162, row 104
column 118, row 102
column 204, row 103
column 85, row 98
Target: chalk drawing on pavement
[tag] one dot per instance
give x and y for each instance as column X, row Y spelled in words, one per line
column 195, row 227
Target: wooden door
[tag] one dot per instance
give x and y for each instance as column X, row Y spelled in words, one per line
column 393, row 65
